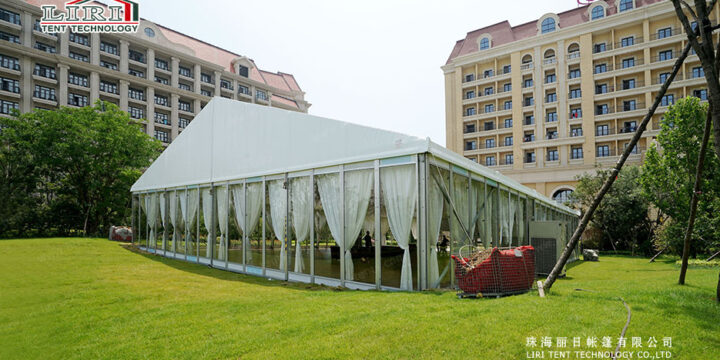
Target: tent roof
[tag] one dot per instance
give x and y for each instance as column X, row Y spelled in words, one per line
column 231, row 140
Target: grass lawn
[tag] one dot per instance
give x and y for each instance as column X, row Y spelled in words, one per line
column 91, row 298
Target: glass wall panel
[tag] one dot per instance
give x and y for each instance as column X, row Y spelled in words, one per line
column 205, row 213
column 236, row 221
column 301, row 209
column 222, row 203
column 327, row 253
column 276, row 209
column 359, row 258
column 439, row 213
column 254, row 217
column 399, row 199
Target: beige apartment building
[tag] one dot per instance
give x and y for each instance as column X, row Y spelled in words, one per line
column 548, row 100
column 157, row 73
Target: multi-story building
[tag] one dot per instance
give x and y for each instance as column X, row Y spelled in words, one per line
column 551, row 99
column 157, row 74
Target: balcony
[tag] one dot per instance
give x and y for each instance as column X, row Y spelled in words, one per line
column 628, row 43
column 526, row 66
column 604, row 131
column 550, row 61
column 661, row 80
column 573, row 55
column 632, row 106
column 628, row 129
column 665, row 57
column 664, row 35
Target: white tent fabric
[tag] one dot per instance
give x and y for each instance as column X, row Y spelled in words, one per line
column 247, row 208
column 189, row 202
column 503, row 216
column 399, row 189
column 521, row 221
column 278, row 214
column 151, row 204
column 435, row 204
column 461, row 203
column 511, row 217
column 163, row 220
column 207, row 208
column 358, row 185
column 175, row 220
column 301, row 195
column 223, row 207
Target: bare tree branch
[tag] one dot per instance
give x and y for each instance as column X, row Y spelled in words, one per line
column 689, row 9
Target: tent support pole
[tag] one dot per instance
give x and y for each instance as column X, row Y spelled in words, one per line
column 342, row 239
column 245, row 235
column 286, row 238
column 423, row 243
column 264, row 214
column 312, row 226
column 378, row 230
column 132, row 218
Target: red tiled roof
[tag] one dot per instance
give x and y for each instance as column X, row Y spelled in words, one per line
column 502, row 33
column 282, row 100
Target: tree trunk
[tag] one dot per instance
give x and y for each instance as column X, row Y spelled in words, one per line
column 696, row 194
column 613, row 174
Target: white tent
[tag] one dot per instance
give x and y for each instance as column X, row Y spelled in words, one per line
column 234, row 150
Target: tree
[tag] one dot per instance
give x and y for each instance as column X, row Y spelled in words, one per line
column 669, row 174
column 623, row 215
column 70, row 169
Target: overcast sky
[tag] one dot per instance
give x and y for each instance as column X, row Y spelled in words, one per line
column 375, row 63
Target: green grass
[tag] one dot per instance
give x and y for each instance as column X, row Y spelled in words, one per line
column 90, row 298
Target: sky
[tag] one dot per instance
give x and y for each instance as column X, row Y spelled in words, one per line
column 374, row 63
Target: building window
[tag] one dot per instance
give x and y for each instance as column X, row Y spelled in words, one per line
column 600, row 68
column 489, row 143
column 574, row 74
column 488, row 73
column 470, row 111
column 663, row 77
column 530, row 157
column 6, row 107
column 527, row 83
column 243, row 71
column 602, row 109
column 78, row 57
column 206, row 78
column 603, row 150
column 183, row 122
column 162, row 118
column 667, row 100
column 551, row 97
column 470, row 145
column 529, row 101
column 226, row 84
column 489, row 125
column 242, row 89
column 44, row 71
column 184, row 71
column 136, row 56
column 551, row 134
column 700, row 94
column 529, row 137
column 137, row 73
column 507, row 87
column 665, row 55
column 470, row 94
column 552, row 155
column 547, row 25
column 77, row 79
column 10, row 85
column 550, row 78
column 260, row 94
column 598, row 48
column 9, row 16
column 9, row 62
column 628, row 127
column 162, row 136
column 507, row 105
column 628, row 84
column 108, row 48
column 575, row 113
column 162, row 80
column 469, row 77
column 564, row 195
column 162, row 64
column 136, row 112
column 576, row 131
column 509, row 159
column 508, row 141
column 626, row 5
column 184, row 86
column 161, row 100
column 207, row 93
column 627, row 63
column 576, row 153
column 108, row 87
column 137, row 94
column 508, row 123
column 109, row 65
column 469, row 128
column 77, row 99
column 601, row 88
column 664, row 33
column 490, row 161
column 597, row 12
column 602, row 130
column 80, row 39
column 489, row 108
column 630, row 105
column 184, row 106
column 551, row 116
column 627, row 41
column 575, row 93
column 9, row 37
column 698, row 71
column 45, row 47
column 488, row 91
column 484, row 44
column 529, row 119
column 507, row 69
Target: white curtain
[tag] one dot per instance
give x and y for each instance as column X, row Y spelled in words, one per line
column 504, row 219
column 189, row 202
column 399, row 186
column 511, row 218
column 521, row 221
column 358, row 185
column 207, row 208
column 483, row 220
column 435, row 204
column 175, row 220
column 278, row 214
column 253, row 203
column 222, row 205
column 151, row 204
column 461, row 203
column 301, row 196
column 490, row 205
column 163, row 220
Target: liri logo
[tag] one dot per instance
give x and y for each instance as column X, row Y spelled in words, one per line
column 84, row 16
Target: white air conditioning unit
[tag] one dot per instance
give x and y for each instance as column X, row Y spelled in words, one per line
column 549, row 239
